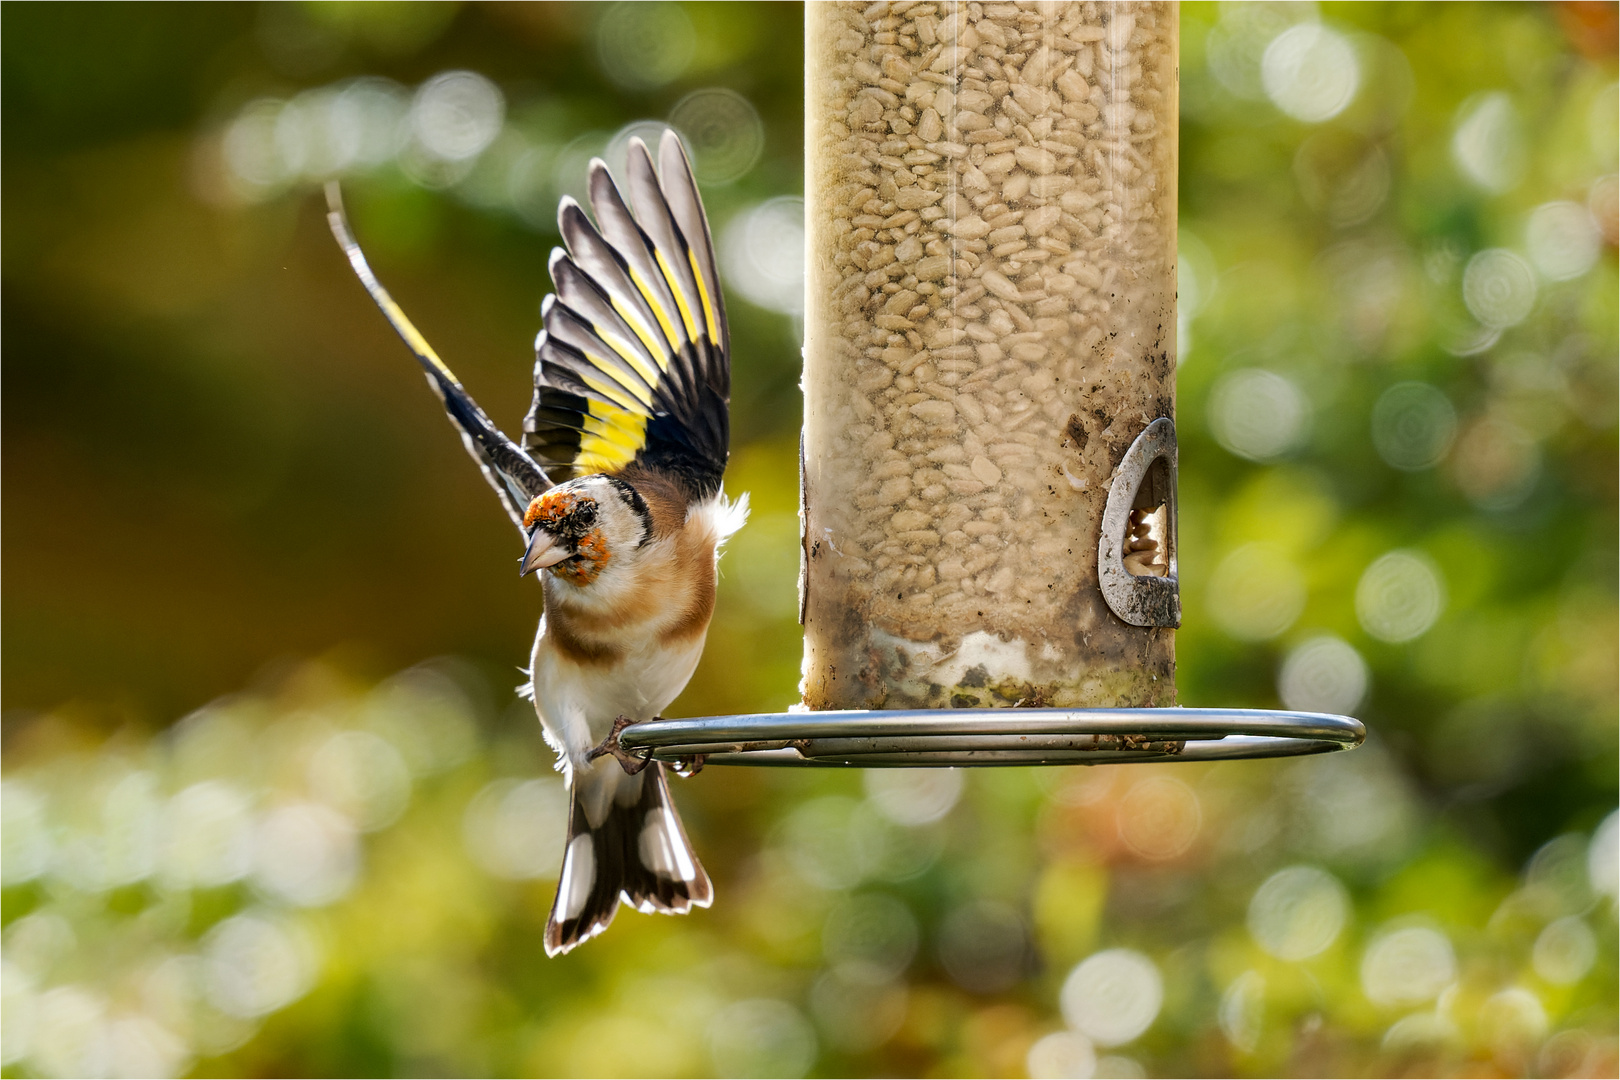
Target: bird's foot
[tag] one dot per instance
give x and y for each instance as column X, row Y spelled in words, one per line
column 610, row 745
column 688, row 767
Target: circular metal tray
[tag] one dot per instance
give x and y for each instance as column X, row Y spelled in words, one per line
column 955, row 737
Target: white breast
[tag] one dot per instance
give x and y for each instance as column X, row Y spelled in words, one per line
column 578, row 704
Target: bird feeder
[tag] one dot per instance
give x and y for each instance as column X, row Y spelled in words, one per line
column 991, row 326
column 988, row 468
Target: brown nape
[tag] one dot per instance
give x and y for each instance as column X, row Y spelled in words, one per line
column 666, row 498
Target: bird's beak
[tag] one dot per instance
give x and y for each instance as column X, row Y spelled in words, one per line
column 543, row 551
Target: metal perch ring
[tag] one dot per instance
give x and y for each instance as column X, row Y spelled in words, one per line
column 957, row 737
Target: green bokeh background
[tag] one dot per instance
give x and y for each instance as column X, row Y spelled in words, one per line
column 229, row 499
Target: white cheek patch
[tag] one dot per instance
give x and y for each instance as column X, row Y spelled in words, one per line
column 578, row 874
column 661, row 849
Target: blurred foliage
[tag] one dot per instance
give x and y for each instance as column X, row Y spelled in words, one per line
column 1397, row 413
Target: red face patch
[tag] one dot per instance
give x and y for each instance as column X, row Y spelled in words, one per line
column 550, row 509
column 590, row 556
column 571, row 518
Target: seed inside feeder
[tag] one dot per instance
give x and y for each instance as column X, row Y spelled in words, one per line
column 991, row 322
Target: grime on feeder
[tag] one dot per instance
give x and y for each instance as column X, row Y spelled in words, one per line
column 991, row 323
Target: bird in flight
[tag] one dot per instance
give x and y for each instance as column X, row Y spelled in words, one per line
column 616, row 489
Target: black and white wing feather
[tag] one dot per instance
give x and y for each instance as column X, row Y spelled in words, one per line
column 510, row 471
column 633, row 364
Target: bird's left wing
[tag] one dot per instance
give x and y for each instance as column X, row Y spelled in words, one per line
column 633, row 365
column 511, row 472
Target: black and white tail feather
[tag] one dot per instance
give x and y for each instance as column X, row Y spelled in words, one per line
column 628, row 846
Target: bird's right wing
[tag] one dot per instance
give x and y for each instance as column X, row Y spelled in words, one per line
column 633, row 363
column 509, row 470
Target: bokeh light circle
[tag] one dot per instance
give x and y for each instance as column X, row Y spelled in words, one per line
column 457, row 114
column 1112, row 996
column 18, row 1009
column 1242, row 1010
column 256, row 965
column 306, row 854
column 762, row 254
column 1558, row 876
column 427, row 715
column 1488, row 141
column 1563, row 240
column 1346, row 179
column 368, row 119
column 1603, row 200
column 1400, row 596
column 983, row 947
column 210, row 838
column 913, row 796
column 1564, row 951
column 147, row 1048
column 1258, row 414
column 645, row 45
column 869, row 938
column 68, row 1024
column 1421, row 1031
column 1603, row 857
column 1236, row 45
column 1060, row 1056
column 132, row 831
column 1413, row 426
column 834, row 843
column 763, row 1037
column 1298, row 912
column 303, row 136
column 514, row 829
column 723, row 132
column 1513, row 1021
column 250, row 147
column 37, row 943
column 1324, row 674
column 1310, row 72
column 1496, row 463
column 857, row 1017
column 1160, row 817
column 1256, row 593
column 1499, row 288
column 25, row 850
column 1408, row 966
column 362, row 776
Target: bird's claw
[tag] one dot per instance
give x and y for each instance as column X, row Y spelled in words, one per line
column 610, row 745
column 689, row 767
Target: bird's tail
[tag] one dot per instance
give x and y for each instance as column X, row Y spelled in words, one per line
column 625, row 839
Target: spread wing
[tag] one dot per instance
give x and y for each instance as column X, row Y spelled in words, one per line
column 509, row 470
column 634, row 362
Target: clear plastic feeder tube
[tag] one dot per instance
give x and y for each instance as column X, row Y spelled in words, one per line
column 991, row 323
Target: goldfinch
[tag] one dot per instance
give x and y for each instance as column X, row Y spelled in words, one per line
column 617, row 491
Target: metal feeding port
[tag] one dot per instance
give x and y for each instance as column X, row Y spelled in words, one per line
column 1136, row 553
